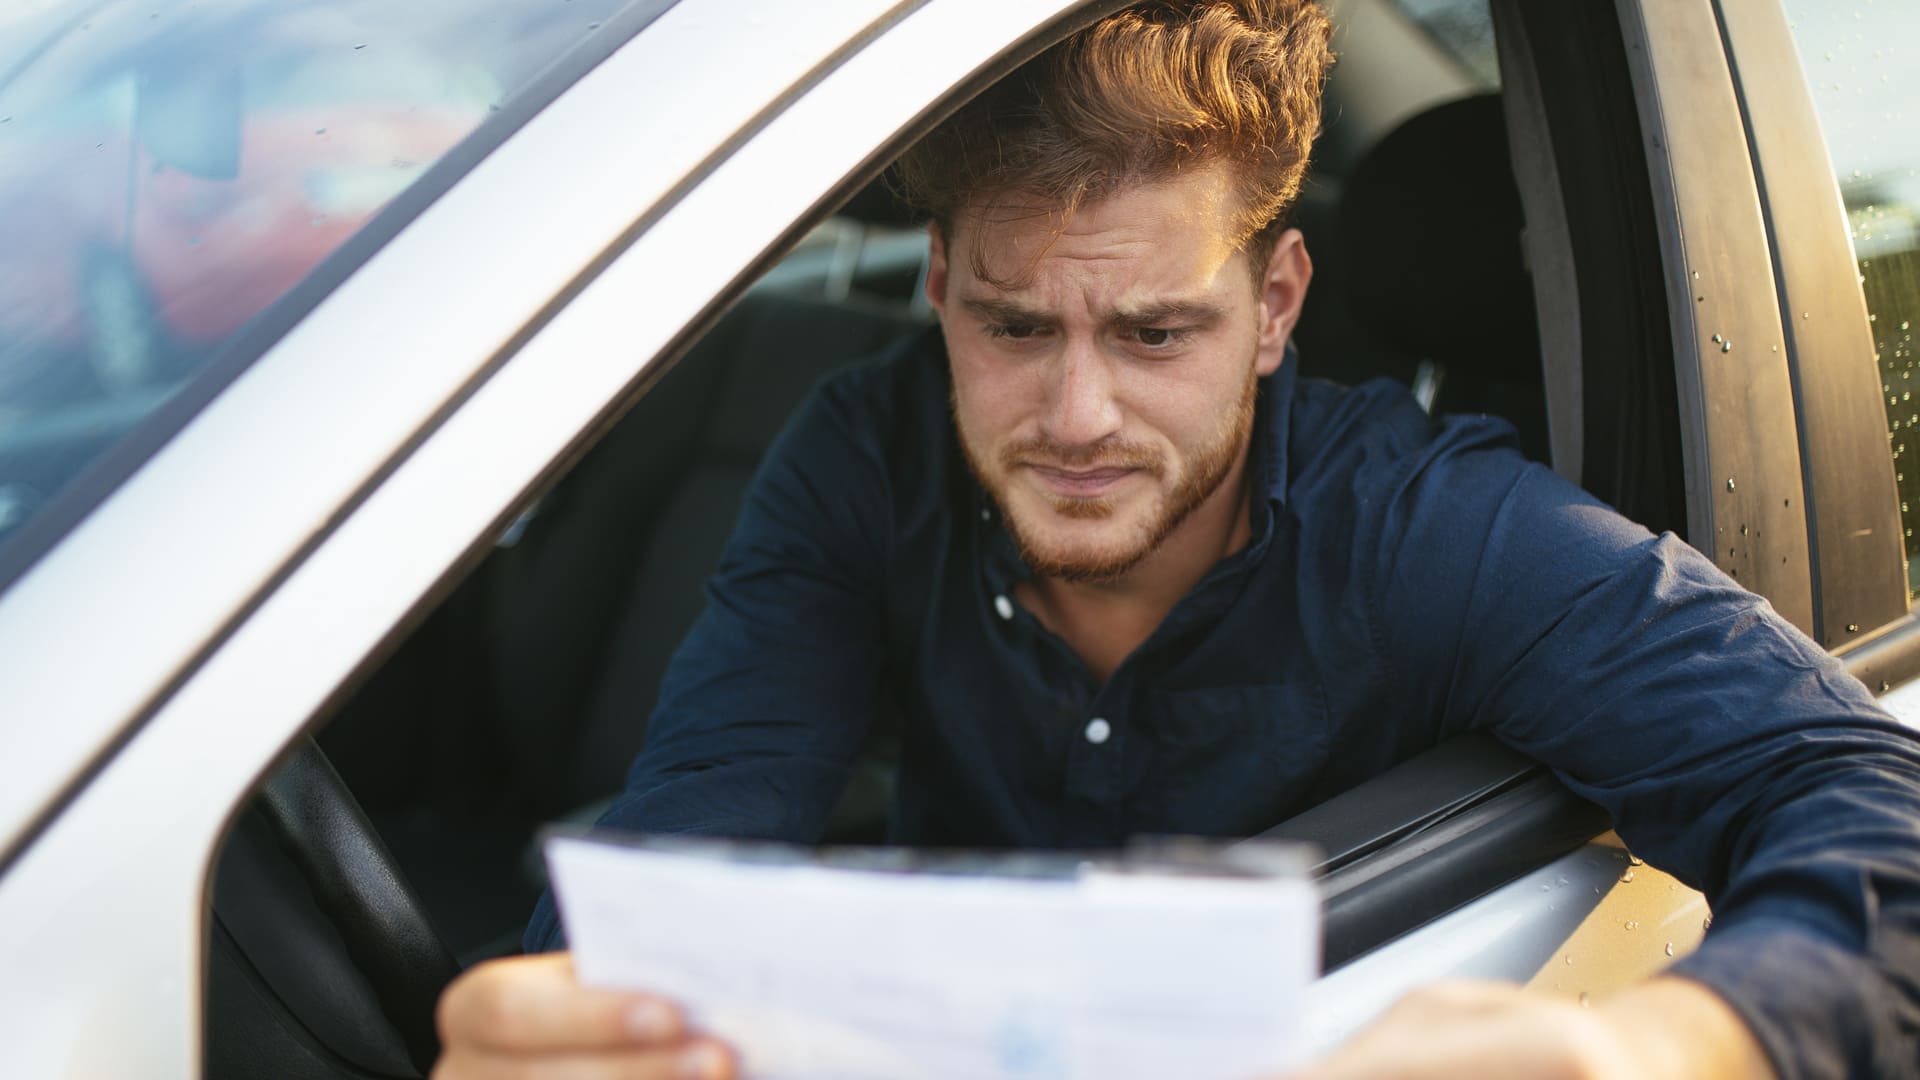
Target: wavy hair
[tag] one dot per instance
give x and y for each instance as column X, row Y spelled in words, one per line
column 1141, row 96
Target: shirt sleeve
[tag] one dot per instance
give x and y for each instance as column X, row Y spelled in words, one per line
column 770, row 696
column 1731, row 750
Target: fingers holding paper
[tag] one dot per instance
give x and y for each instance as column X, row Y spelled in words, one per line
column 529, row 1016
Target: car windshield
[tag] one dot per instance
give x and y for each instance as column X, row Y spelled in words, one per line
column 169, row 172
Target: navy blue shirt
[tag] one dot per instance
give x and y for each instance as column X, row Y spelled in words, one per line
column 1408, row 580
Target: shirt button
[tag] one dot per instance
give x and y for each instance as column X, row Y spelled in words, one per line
column 1098, row 731
column 1003, row 606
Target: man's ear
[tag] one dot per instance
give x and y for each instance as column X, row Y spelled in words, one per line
column 1283, row 289
column 936, row 270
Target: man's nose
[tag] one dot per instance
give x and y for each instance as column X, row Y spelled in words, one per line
column 1081, row 409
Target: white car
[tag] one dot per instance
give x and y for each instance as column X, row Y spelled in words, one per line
column 353, row 385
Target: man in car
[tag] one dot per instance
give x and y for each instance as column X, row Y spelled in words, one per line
column 1118, row 571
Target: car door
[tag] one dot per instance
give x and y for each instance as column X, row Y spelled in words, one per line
column 304, row 512
column 1712, row 368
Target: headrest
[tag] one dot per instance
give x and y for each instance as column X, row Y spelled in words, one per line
column 1432, row 220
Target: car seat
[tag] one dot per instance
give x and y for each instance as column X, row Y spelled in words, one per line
column 525, row 695
column 1430, row 268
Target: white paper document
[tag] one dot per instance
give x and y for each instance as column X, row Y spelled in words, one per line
column 818, row 972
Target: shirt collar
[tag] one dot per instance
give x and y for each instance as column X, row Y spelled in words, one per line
column 1272, row 415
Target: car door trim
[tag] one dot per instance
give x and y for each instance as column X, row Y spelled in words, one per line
column 1859, row 579
column 1744, row 497
column 1548, row 240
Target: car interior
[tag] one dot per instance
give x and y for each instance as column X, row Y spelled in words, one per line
column 397, row 844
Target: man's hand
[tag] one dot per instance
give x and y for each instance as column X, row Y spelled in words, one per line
column 528, row 1016
column 1491, row 1031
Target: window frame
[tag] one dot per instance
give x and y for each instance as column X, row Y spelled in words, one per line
column 1859, row 578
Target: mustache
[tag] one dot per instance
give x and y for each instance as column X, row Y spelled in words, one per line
column 1110, row 453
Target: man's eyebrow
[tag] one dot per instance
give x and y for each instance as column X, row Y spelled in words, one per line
column 1005, row 312
column 1170, row 312
column 1155, row 313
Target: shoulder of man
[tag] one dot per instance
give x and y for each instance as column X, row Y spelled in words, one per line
column 1375, row 436
column 878, row 434
column 894, row 395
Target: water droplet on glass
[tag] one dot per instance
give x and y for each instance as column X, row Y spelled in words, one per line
column 1633, row 924
column 1716, row 339
column 357, row 48
column 1706, row 924
column 1729, row 483
column 1635, row 860
column 1569, row 959
column 1626, row 876
column 1669, row 948
column 1743, row 530
column 1726, row 346
column 1583, row 1000
column 1853, row 628
column 1885, row 686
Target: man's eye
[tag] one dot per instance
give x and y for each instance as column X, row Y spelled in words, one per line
column 1016, row 331
column 1155, row 337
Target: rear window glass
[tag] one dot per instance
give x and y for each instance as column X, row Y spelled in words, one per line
column 1863, row 64
column 1464, row 30
column 167, row 172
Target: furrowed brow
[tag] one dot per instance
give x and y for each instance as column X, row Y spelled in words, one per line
column 1170, row 313
column 1005, row 312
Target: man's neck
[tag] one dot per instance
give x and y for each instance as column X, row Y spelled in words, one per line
column 1103, row 622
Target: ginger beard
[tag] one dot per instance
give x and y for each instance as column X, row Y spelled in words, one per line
column 1206, row 467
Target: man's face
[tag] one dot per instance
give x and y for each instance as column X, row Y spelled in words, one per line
column 1104, row 391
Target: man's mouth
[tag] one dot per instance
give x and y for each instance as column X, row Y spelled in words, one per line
column 1081, row 483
